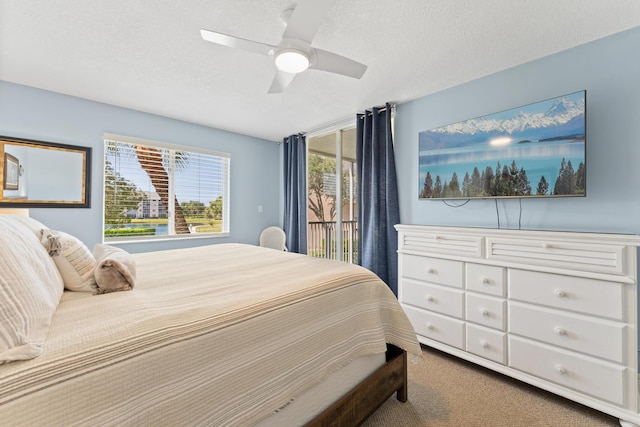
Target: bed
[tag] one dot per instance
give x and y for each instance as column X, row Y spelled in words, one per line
column 217, row 335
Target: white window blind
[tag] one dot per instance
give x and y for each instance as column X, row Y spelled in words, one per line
column 155, row 190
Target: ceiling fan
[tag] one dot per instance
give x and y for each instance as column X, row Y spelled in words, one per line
column 294, row 53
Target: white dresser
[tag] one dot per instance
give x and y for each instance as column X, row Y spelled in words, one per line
column 557, row 310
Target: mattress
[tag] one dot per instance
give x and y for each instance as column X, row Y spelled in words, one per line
column 312, row 402
column 216, row 335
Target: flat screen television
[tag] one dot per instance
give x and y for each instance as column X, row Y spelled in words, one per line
column 536, row 150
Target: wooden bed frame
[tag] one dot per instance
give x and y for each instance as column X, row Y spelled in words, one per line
column 358, row 404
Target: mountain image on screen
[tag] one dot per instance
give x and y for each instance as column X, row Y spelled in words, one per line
column 537, row 150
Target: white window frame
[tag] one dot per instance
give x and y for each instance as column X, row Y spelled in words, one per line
column 226, row 216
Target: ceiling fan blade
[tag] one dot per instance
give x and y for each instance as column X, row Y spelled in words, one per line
column 237, row 42
column 280, row 81
column 334, row 63
column 306, row 19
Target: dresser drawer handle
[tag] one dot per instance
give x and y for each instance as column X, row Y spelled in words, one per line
column 484, row 312
column 431, row 299
column 560, row 369
column 430, row 326
column 431, row 270
column 560, row 293
column 547, row 245
column 559, row 331
column 484, row 344
column 486, row 281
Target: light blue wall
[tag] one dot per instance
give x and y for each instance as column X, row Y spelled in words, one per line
column 31, row 113
column 609, row 69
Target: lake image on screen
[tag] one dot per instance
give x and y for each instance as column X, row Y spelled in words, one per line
column 536, row 150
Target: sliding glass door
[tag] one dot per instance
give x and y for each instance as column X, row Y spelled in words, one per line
column 332, row 228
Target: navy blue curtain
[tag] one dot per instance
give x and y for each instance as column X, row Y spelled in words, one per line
column 295, row 193
column 378, row 208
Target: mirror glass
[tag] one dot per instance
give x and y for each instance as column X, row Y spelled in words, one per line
column 44, row 174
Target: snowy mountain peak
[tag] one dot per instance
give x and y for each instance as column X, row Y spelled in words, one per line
column 562, row 106
column 561, row 111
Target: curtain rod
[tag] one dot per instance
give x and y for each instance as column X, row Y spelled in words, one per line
column 380, row 109
column 339, row 124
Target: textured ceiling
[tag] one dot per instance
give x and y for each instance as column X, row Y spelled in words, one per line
column 148, row 54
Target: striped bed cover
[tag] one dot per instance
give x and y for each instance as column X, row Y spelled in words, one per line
column 215, row 335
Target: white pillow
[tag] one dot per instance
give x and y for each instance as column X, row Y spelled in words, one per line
column 32, row 224
column 73, row 258
column 30, row 289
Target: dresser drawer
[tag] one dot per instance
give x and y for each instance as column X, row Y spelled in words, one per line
column 597, row 337
column 437, row 327
column 486, row 311
column 486, row 343
column 486, row 279
column 577, row 256
column 587, row 296
column 585, row 374
column 441, row 242
column 433, row 270
column 440, row 299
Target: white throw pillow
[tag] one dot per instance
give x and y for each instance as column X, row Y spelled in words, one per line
column 73, row 258
column 30, row 289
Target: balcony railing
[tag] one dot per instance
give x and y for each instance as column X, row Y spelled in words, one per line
column 321, row 240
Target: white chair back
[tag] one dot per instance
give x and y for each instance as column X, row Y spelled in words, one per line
column 274, row 238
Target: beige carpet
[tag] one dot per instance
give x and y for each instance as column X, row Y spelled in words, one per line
column 445, row 391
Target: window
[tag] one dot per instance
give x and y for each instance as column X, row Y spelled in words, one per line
column 157, row 191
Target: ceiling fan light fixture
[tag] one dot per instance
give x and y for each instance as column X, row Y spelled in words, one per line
column 292, row 61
